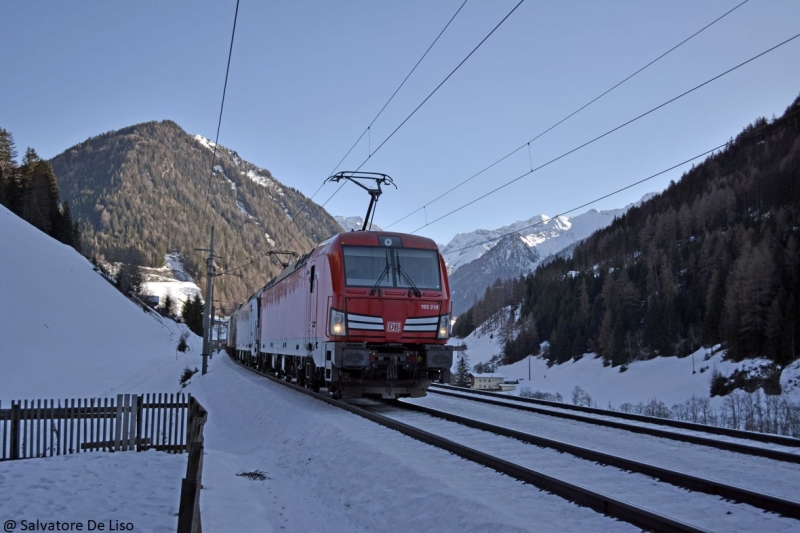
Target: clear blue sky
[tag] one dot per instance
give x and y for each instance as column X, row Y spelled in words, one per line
column 307, row 77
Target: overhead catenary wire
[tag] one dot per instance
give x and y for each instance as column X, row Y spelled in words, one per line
column 673, row 167
column 587, row 143
column 221, row 107
column 440, row 84
column 431, row 94
column 617, row 191
column 398, row 89
column 595, row 99
column 421, row 104
column 378, row 115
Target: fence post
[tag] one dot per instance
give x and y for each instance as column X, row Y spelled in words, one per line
column 15, row 415
column 118, row 424
column 138, row 437
column 189, row 510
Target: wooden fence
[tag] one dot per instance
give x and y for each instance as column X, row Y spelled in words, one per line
column 43, row 428
column 189, row 509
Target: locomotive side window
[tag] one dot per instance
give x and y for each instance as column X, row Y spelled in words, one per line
column 420, row 267
column 366, row 266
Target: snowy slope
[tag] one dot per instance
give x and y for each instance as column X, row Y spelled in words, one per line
column 171, row 279
column 671, row 380
column 68, row 332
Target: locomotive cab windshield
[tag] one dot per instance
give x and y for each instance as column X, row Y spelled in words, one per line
column 405, row 268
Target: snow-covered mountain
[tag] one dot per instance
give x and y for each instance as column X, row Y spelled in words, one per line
column 542, row 235
column 510, row 257
column 353, row 223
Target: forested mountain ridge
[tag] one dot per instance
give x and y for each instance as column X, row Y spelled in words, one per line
column 149, row 189
column 714, row 258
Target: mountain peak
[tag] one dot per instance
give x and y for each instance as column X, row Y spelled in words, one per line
column 145, row 190
column 542, row 235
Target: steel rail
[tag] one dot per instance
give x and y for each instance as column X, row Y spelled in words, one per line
column 600, row 503
column 693, row 439
column 767, row 502
column 716, row 430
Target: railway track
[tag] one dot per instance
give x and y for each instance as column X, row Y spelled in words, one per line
column 573, row 491
column 691, row 482
column 606, row 418
column 691, row 426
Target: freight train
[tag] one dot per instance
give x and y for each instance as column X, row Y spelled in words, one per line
column 364, row 314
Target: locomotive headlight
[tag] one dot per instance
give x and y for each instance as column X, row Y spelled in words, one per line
column 443, row 331
column 337, row 324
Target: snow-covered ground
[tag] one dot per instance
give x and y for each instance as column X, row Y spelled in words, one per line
column 66, row 332
column 671, row 380
column 171, row 279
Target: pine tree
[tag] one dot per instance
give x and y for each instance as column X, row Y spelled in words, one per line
column 8, row 170
column 192, row 313
column 462, row 371
column 166, row 307
column 129, row 280
column 38, row 192
column 62, row 229
column 76, row 237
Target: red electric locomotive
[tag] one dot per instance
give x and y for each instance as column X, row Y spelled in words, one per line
column 364, row 314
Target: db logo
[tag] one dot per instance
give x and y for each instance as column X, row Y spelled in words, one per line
column 393, row 326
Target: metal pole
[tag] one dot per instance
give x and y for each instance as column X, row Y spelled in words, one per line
column 209, row 301
column 529, row 367
column 211, row 340
column 219, row 328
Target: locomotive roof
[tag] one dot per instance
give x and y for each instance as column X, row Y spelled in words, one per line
column 371, row 238
column 357, row 238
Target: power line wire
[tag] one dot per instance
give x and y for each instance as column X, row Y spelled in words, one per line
column 673, row 167
column 565, row 154
column 398, row 88
column 571, row 114
column 432, row 93
column 221, row 107
column 440, row 84
column 374, row 119
column 591, row 201
column 420, row 105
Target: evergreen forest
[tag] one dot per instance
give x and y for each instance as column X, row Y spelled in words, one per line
column 30, row 191
column 715, row 258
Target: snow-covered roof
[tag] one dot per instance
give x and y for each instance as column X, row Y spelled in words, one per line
column 487, row 375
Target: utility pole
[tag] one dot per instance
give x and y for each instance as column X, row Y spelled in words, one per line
column 211, row 339
column 209, row 302
column 217, row 323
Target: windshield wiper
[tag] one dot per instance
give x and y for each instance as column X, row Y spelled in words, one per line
column 402, row 272
column 380, row 278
